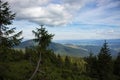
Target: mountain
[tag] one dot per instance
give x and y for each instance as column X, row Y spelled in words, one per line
column 57, row 48
column 77, row 47
column 94, row 45
column 28, row 43
column 90, row 42
column 95, row 49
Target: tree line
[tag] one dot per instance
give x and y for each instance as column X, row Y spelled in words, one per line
column 40, row 63
column 103, row 66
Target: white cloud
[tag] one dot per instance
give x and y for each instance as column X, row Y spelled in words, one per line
column 27, row 3
column 44, row 11
column 102, row 14
column 57, row 14
column 109, row 33
column 103, row 2
column 64, row 12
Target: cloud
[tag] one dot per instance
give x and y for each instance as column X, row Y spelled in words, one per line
column 63, row 12
column 103, row 2
column 44, row 11
column 104, row 12
column 108, row 33
column 95, row 13
column 110, row 3
column 52, row 15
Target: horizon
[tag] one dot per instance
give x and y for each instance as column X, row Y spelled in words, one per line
column 77, row 39
column 68, row 19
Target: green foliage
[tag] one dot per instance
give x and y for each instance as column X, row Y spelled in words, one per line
column 6, row 16
column 42, row 37
column 19, row 65
column 104, row 63
column 91, row 66
column 67, row 62
column 7, row 36
column 101, row 67
column 117, row 66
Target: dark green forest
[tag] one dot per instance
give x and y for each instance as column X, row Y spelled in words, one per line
column 40, row 63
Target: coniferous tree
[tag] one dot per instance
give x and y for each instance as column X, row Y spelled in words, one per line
column 117, row 66
column 60, row 62
column 75, row 68
column 91, row 67
column 105, row 63
column 67, row 62
column 8, row 38
column 43, row 38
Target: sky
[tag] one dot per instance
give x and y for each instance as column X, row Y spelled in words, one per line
column 68, row 19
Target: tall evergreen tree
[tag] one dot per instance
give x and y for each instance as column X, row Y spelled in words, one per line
column 67, row 62
column 91, row 67
column 117, row 66
column 8, row 38
column 60, row 62
column 104, row 63
column 43, row 38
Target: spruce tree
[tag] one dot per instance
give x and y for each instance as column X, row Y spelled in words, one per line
column 43, row 38
column 117, row 66
column 67, row 62
column 60, row 62
column 105, row 63
column 8, row 38
column 91, row 67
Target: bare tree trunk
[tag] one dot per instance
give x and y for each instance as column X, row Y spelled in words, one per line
column 37, row 67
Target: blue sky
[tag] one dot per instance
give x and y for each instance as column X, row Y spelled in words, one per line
column 68, row 19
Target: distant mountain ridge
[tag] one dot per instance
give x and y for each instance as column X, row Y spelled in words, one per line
column 94, row 45
column 77, row 48
column 57, row 48
column 90, row 42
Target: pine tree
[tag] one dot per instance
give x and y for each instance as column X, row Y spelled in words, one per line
column 104, row 63
column 43, row 38
column 8, row 38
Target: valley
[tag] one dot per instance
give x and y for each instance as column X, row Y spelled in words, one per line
column 77, row 48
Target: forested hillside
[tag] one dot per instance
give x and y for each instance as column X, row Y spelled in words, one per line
column 16, row 65
column 57, row 48
column 72, row 49
column 19, row 65
column 41, row 63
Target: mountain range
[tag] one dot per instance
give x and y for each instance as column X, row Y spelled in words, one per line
column 77, row 48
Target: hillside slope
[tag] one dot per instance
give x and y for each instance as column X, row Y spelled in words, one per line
column 73, row 49
column 57, row 48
